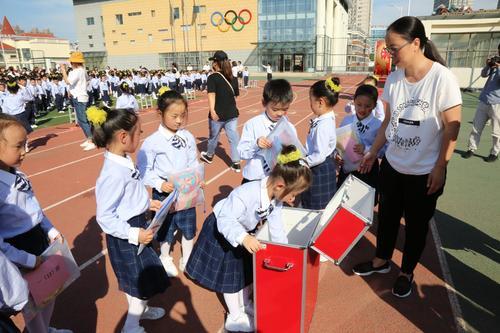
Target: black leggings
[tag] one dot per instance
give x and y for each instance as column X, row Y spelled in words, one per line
column 405, row 196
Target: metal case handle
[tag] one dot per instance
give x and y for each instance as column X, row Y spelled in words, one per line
column 287, row 267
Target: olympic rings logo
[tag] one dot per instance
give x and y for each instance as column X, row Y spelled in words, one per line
column 229, row 19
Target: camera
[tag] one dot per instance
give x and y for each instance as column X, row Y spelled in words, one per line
column 493, row 61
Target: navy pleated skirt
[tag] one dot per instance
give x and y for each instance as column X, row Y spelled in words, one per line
column 33, row 241
column 141, row 276
column 217, row 265
column 323, row 187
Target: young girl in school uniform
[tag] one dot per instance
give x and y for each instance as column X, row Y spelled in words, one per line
column 276, row 99
column 367, row 125
column 25, row 230
column 320, row 144
column 127, row 99
column 122, row 203
column 104, row 90
column 170, row 149
column 222, row 256
column 14, row 104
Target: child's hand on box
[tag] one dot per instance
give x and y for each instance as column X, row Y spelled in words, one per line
column 252, row 244
column 155, row 205
column 264, row 143
column 145, row 236
column 167, row 187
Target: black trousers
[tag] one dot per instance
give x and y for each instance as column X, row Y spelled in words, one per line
column 405, row 196
column 269, row 76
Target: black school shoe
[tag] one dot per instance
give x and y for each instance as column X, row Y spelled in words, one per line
column 491, row 158
column 468, row 154
column 402, row 286
column 366, row 268
column 236, row 167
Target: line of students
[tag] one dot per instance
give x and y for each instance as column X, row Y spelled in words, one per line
column 220, row 260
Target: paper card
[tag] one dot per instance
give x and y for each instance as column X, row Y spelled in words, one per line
column 283, row 134
column 48, row 279
column 160, row 216
column 187, row 183
column 347, row 138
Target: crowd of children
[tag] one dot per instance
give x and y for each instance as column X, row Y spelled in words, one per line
column 220, row 260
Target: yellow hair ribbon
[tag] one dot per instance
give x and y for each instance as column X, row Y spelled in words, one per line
column 163, row 90
column 290, row 157
column 11, row 84
column 332, row 86
column 376, row 77
column 96, row 116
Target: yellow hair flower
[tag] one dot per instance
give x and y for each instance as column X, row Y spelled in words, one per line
column 163, row 90
column 96, row 116
column 11, row 84
column 332, row 86
column 290, row 157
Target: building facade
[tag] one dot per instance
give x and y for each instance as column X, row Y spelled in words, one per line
column 31, row 49
column 465, row 41
column 294, row 35
column 360, row 16
column 453, row 3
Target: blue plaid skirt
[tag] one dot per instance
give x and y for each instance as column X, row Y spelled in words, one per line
column 184, row 220
column 217, row 265
column 323, row 187
column 141, row 276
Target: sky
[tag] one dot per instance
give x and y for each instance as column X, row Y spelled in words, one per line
column 57, row 15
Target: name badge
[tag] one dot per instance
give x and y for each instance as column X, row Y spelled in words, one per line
column 409, row 122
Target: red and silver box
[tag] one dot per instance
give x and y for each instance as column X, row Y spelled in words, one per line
column 286, row 276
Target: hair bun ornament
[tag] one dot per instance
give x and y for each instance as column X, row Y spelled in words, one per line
column 96, row 116
column 293, row 156
column 332, row 86
column 125, row 85
column 12, row 84
column 163, row 90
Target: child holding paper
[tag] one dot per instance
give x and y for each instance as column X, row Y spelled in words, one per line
column 171, row 149
column 222, row 256
column 366, row 126
column 25, row 230
column 122, row 203
column 321, row 143
column 276, row 99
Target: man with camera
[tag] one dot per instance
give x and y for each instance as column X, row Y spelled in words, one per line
column 488, row 108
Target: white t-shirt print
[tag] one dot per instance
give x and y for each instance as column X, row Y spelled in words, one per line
column 415, row 130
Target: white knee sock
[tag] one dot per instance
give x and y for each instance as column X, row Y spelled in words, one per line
column 187, row 248
column 233, row 304
column 136, row 308
column 165, row 250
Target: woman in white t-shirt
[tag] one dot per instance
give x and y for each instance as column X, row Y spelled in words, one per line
column 423, row 109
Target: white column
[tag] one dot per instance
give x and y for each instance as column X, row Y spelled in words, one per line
column 320, row 32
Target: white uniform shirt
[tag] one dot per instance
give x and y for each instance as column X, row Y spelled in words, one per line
column 321, row 140
column 120, row 195
column 19, row 213
column 13, row 289
column 415, row 130
column 127, row 101
column 367, row 129
column 77, row 79
column 14, row 103
column 253, row 129
column 162, row 153
column 237, row 214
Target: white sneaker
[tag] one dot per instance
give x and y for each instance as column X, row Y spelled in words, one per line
column 62, row 330
column 322, row 258
column 34, row 126
column 243, row 323
column 62, row 111
column 153, row 313
column 168, row 264
column 182, row 265
column 84, row 143
column 90, row 146
column 138, row 329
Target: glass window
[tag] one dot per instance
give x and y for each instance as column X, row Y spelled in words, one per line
column 153, row 13
column 290, row 6
column 90, row 36
column 119, row 19
column 91, row 45
column 115, row 42
column 132, row 41
column 301, row 6
column 150, row 38
column 459, row 41
column 90, row 21
column 134, row 13
column 140, row 30
column 280, row 7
